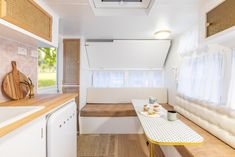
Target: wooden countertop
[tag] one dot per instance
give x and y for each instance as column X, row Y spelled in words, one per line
column 49, row 101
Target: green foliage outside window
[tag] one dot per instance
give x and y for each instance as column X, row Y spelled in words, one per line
column 47, row 67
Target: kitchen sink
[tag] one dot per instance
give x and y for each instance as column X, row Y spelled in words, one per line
column 11, row 114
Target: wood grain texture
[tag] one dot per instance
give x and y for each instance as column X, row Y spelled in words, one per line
column 11, row 84
column 211, row 147
column 27, row 14
column 50, row 102
column 71, row 75
column 221, row 18
column 133, row 145
column 108, row 110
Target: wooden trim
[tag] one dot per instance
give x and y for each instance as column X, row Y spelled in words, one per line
column 23, row 25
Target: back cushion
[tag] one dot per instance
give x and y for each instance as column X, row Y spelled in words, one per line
column 218, row 121
column 124, row 95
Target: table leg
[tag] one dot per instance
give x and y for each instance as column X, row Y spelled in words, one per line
column 151, row 149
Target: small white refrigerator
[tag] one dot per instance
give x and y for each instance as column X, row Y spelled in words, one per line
column 62, row 132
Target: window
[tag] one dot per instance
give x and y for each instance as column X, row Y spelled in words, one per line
column 231, row 95
column 47, row 77
column 128, row 79
column 108, row 79
column 145, row 79
column 202, row 77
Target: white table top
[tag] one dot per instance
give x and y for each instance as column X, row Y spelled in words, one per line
column 163, row 132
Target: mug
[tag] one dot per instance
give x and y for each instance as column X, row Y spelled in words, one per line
column 152, row 100
column 172, row 115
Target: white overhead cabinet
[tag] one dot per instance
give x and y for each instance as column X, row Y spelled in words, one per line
column 28, row 141
column 127, row 54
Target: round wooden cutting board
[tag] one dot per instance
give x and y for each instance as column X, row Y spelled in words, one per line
column 12, row 86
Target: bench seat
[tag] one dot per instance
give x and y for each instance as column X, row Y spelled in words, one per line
column 212, row 146
column 108, row 110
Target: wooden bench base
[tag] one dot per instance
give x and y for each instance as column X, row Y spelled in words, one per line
column 108, row 110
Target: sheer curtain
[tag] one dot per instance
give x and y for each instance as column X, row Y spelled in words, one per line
column 108, row 78
column 201, row 77
column 144, row 79
column 231, row 95
column 138, row 78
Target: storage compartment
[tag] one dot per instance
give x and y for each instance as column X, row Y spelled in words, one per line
column 220, row 18
column 28, row 15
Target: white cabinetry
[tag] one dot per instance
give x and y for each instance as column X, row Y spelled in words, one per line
column 27, row 141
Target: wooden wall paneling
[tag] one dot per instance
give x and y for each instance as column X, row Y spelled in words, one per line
column 28, row 15
column 220, row 18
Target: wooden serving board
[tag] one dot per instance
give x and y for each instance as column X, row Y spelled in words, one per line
column 11, row 84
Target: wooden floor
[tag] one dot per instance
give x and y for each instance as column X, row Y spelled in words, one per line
column 112, row 146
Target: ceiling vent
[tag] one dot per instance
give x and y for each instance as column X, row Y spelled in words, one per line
column 122, row 4
column 121, row 7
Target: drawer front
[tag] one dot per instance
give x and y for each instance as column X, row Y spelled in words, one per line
column 28, row 15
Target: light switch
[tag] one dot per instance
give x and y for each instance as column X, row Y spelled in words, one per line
column 22, row 51
column 34, row 54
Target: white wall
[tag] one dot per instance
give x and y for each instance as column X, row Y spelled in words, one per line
column 85, row 74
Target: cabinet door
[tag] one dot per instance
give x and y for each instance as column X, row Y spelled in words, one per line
column 71, row 70
column 27, row 141
column 28, row 15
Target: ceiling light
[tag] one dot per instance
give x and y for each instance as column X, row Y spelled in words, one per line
column 164, row 34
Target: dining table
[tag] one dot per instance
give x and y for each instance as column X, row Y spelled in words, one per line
column 160, row 131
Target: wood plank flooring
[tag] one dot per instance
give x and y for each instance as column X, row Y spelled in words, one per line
column 133, row 145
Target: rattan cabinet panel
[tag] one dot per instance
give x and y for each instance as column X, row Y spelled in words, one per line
column 27, row 15
column 221, row 18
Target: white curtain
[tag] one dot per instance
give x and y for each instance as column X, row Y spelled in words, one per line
column 201, row 77
column 128, row 79
column 108, row 79
column 189, row 41
column 144, row 79
column 231, row 95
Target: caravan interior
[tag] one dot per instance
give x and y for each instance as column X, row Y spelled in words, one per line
column 117, row 78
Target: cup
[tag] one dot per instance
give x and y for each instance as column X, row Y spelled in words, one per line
column 152, row 100
column 172, row 115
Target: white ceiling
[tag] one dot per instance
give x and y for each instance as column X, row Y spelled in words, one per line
column 78, row 19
